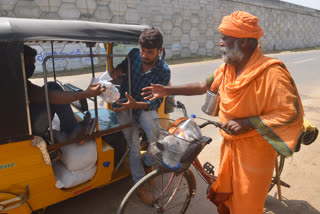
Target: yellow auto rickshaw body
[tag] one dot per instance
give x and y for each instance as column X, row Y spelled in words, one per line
column 30, row 169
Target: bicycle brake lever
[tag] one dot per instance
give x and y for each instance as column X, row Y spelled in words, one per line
column 179, row 104
column 173, row 103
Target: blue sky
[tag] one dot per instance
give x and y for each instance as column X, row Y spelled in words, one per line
column 307, row 3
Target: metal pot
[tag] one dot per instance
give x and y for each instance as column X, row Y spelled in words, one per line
column 211, row 104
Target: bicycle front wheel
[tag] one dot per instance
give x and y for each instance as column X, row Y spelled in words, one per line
column 163, row 186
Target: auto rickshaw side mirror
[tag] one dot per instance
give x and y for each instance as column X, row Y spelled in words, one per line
column 169, row 104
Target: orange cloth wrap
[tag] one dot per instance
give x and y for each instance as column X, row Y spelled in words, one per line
column 266, row 94
column 241, row 24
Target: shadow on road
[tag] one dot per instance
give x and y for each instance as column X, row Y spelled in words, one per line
column 97, row 201
column 274, row 206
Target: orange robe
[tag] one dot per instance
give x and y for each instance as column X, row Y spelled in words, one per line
column 266, row 94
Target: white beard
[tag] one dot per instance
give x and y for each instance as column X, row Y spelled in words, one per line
column 233, row 55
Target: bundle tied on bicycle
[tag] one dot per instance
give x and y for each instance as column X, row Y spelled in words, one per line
column 177, row 147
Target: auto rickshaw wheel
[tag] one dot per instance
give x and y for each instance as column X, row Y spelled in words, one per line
column 40, row 211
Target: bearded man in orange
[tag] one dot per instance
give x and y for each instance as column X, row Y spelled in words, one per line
column 259, row 105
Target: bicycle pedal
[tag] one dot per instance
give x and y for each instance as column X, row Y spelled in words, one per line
column 208, row 168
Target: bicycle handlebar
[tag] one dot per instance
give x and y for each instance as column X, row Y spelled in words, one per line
column 217, row 124
column 181, row 106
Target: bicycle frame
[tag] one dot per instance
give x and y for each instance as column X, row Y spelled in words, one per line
column 181, row 180
column 209, row 178
column 197, row 165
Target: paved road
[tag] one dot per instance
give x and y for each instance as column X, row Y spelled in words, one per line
column 299, row 199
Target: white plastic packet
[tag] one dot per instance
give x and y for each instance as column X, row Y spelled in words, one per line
column 78, row 157
column 111, row 94
column 66, row 179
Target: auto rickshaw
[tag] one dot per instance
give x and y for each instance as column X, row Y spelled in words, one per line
column 28, row 182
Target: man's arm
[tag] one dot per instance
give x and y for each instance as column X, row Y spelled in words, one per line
column 37, row 94
column 156, row 91
column 118, row 71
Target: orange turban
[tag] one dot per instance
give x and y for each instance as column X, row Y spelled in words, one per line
column 241, row 24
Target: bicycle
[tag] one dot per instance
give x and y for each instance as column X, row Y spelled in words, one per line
column 172, row 188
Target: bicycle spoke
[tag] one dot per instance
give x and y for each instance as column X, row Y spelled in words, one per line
column 164, row 202
column 176, row 205
column 175, row 190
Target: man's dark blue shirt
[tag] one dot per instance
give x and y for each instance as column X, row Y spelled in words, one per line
column 159, row 74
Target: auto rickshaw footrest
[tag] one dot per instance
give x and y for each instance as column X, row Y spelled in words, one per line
column 22, row 198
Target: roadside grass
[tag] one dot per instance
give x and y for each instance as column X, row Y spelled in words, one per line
column 175, row 61
column 172, row 61
column 293, row 50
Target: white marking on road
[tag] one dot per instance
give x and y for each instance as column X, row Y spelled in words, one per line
column 306, row 60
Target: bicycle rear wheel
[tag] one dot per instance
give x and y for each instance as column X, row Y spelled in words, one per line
column 280, row 164
column 156, row 182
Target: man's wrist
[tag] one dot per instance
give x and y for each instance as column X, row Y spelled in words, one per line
column 247, row 124
column 141, row 105
column 168, row 90
column 86, row 94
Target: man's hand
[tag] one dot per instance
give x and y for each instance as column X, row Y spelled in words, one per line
column 238, row 126
column 94, row 90
column 154, row 91
column 130, row 104
column 116, row 73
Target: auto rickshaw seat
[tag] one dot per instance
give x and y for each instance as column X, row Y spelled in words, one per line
column 107, row 118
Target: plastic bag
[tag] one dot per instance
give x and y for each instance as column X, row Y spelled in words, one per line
column 111, row 94
column 77, row 157
column 173, row 150
column 67, row 179
column 188, row 129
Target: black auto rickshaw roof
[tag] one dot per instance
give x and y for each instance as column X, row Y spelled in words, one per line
column 40, row 30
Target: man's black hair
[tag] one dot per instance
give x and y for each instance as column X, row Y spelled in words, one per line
column 29, row 51
column 151, row 38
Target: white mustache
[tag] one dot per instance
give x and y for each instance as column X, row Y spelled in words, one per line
column 230, row 55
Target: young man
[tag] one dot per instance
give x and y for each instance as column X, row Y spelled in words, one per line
column 59, row 103
column 147, row 66
column 259, row 105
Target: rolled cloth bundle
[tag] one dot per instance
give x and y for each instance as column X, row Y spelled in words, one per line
column 241, row 24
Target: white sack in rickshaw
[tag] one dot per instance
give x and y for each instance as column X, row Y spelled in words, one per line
column 67, row 179
column 77, row 157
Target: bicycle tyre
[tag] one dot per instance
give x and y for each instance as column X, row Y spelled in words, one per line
column 281, row 165
column 131, row 203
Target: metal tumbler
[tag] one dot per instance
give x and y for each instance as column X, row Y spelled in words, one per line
column 211, row 104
